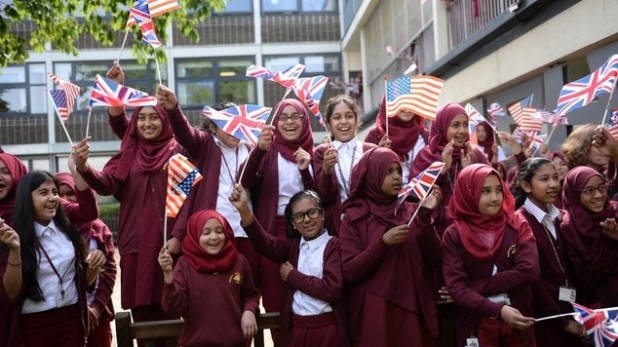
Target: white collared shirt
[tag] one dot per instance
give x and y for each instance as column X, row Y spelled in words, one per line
column 233, row 157
column 61, row 252
column 311, row 263
column 345, row 152
column 545, row 218
column 405, row 165
column 290, row 182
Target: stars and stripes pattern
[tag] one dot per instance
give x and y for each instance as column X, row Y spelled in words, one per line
column 142, row 16
column 109, row 93
column 581, row 92
column 181, row 177
column 613, row 123
column 157, row 8
column 600, row 325
column 309, row 91
column 244, row 122
column 522, row 112
column 419, row 186
column 59, row 99
column 71, row 91
column 286, row 77
column 417, row 94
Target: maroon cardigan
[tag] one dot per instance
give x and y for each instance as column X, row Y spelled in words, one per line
column 328, row 288
column 328, row 188
column 470, row 281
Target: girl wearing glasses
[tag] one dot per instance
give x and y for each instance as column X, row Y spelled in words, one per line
column 277, row 168
column 591, row 237
column 312, row 313
column 334, row 160
column 389, row 265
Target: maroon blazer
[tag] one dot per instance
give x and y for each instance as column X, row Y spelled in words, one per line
column 328, row 188
column 470, row 281
column 328, row 288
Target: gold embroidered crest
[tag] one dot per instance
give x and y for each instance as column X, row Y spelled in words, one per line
column 511, row 251
column 236, row 278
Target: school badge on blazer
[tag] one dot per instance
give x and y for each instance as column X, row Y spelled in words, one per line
column 236, row 278
column 511, row 251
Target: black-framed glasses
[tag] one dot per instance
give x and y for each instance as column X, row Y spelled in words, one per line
column 603, row 188
column 294, row 116
column 312, row 213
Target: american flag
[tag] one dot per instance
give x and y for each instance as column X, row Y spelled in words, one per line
column 600, row 325
column 286, row 77
column 522, row 113
column 418, row 94
column 581, row 92
column 181, row 177
column 559, row 120
column 109, row 93
column 157, row 8
column 613, row 123
column 245, row 122
column 420, row 185
column 516, row 108
column 59, row 99
column 474, row 119
column 309, row 91
column 71, row 91
column 140, row 12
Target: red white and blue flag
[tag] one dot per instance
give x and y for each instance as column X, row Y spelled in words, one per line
column 286, row 77
column 613, row 123
column 181, row 177
column 244, row 122
column 544, row 115
column 474, row 119
column 601, row 325
column 141, row 13
column 559, row 120
column 537, row 140
column 419, row 186
column 59, row 99
column 157, row 8
column 495, row 110
column 71, row 91
column 109, row 93
column 309, row 91
column 581, row 92
column 417, row 94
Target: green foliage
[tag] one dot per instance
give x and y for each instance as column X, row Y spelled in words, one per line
column 109, row 210
column 60, row 22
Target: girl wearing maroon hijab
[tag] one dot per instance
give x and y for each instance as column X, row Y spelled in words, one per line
column 137, row 178
column 490, row 260
column 96, row 235
column 407, row 135
column 277, row 168
column 487, row 143
column 11, row 171
column 211, row 285
column 448, row 143
column 591, row 237
column 389, row 265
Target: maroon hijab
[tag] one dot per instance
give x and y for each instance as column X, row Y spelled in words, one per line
column 17, row 170
column 403, row 135
column 366, row 195
column 149, row 156
column 66, row 178
column 196, row 256
column 488, row 143
column 482, row 235
column 304, row 141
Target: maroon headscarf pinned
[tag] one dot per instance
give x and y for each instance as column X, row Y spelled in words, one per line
column 149, row 156
column 66, row 178
column 366, row 195
column 488, row 143
column 482, row 235
column 196, row 256
column 403, row 135
column 304, row 141
column 17, row 170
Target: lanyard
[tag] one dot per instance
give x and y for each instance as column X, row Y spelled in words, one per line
column 227, row 166
column 346, row 185
column 451, row 180
column 60, row 278
column 553, row 247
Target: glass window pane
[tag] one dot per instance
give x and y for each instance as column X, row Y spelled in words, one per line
column 230, row 68
column 280, row 63
column 134, row 71
column 319, row 5
column 63, row 70
column 194, row 69
column 237, row 6
column 279, row 5
column 318, row 64
column 154, row 75
column 88, row 71
column 37, row 73
column 13, row 100
column 238, row 92
column 38, row 100
column 13, row 74
column 196, row 93
column 41, row 164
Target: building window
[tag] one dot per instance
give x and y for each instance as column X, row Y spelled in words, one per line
column 238, row 6
column 316, row 64
column 209, row 81
column 302, row 6
column 22, row 89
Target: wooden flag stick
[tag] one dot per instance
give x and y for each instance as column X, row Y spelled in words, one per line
column 165, row 226
column 88, row 121
column 556, row 316
column 157, row 62
column 124, row 41
column 419, row 206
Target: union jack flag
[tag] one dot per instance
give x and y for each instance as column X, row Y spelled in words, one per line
column 309, row 91
column 559, row 120
column 244, row 122
column 59, row 99
column 286, row 77
column 581, row 92
column 474, row 119
column 496, row 110
column 536, row 141
column 601, row 325
column 420, row 185
column 70, row 90
column 109, row 93
column 141, row 13
column 181, row 177
column 157, row 8
column 418, row 94
column 613, row 123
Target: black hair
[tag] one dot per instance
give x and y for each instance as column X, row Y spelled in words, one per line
column 291, row 232
column 338, row 99
column 524, row 174
column 207, row 123
column 24, row 226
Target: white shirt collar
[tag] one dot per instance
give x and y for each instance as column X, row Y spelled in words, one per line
column 317, row 242
column 40, row 229
column 221, row 144
column 539, row 214
column 350, row 144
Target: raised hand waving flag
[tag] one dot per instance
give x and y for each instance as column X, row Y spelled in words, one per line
column 309, row 91
column 286, row 77
column 244, row 122
column 142, row 16
column 419, row 186
column 181, row 177
column 418, row 94
column 109, row 93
